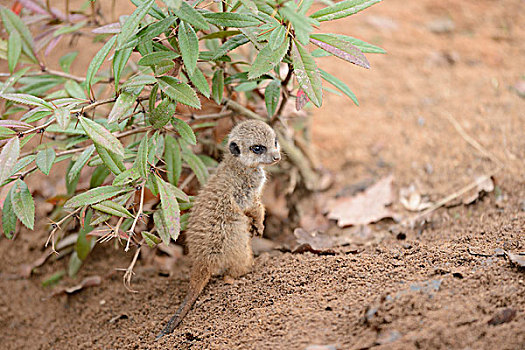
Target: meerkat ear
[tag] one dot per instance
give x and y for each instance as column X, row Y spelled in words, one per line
column 234, row 149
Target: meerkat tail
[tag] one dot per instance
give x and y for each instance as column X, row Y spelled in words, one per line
column 199, row 279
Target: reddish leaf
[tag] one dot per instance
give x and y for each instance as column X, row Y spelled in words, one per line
column 301, row 100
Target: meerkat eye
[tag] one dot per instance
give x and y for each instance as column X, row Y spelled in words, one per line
column 276, row 143
column 258, row 149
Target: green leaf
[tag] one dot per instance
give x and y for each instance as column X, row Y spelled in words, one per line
column 74, row 89
column 23, row 204
column 199, row 81
column 190, row 15
column 8, row 158
column 230, row 19
column 97, row 61
column 63, row 117
column 150, row 239
column 8, row 217
column 271, row 96
column 120, row 59
column 162, row 227
column 13, row 23
column 139, row 80
column 196, row 164
column 342, row 9
column 99, row 176
column 307, row 73
column 178, row 91
column 14, row 48
column 267, row 59
column 162, row 114
column 154, row 12
column 45, row 160
column 84, row 245
column 230, row 44
column 80, row 163
column 74, row 264
column 189, row 46
column 277, row 37
column 340, row 85
column 221, row 34
column 94, row 195
column 66, row 61
column 340, row 48
column 170, row 208
column 154, row 58
column 122, row 107
column 217, row 85
column 27, row 100
column 23, row 162
column 250, row 5
column 101, row 136
column 185, row 131
column 112, row 208
column 141, row 161
column 302, row 24
column 53, row 279
column 132, row 22
column 360, row 44
column 173, row 159
column 127, row 176
column 13, row 79
column 113, row 161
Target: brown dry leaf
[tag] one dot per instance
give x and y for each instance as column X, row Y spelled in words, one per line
column 86, row 282
column 366, row 207
column 316, row 240
column 27, row 269
column 504, row 316
column 516, row 259
column 485, row 185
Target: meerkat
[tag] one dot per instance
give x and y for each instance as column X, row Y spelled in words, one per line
column 228, row 211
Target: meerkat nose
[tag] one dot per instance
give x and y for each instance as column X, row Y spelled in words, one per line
column 276, row 157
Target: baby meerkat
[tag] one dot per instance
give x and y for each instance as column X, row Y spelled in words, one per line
column 228, row 211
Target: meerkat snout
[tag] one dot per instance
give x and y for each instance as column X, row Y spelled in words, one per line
column 254, row 143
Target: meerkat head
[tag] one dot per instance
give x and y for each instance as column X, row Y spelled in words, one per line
column 254, row 143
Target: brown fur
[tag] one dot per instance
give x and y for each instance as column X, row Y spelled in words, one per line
column 227, row 212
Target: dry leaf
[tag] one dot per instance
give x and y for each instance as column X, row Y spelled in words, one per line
column 86, row 282
column 504, row 316
column 27, row 269
column 516, row 259
column 412, row 200
column 316, row 240
column 366, row 207
column 485, row 185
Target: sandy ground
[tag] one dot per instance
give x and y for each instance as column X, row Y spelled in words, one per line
column 441, row 287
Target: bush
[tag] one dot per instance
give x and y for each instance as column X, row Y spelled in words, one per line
column 165, row 63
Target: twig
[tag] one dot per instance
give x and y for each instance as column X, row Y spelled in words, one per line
column 51, row 237
column 126, row 279
column 238, row 108
column 457, row 193
column 131, row 231
column 472, row 141
column 63, row 75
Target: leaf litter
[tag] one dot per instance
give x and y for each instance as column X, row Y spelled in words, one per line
column 366, row 207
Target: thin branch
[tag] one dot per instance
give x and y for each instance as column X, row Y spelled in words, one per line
column 472, row 141
column 63, row 75
column 131, row 231
column 126, row 279
column 456, row 194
